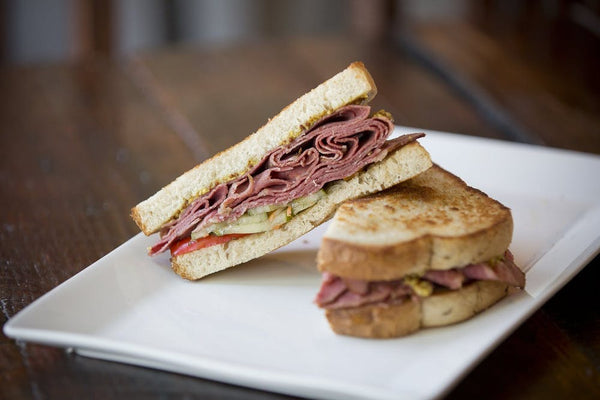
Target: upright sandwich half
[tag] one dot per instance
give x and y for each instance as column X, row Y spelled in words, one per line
column 428, row 252
column 281, row 181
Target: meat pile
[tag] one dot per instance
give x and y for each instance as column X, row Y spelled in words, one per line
column 336, row 147
column 337, row 292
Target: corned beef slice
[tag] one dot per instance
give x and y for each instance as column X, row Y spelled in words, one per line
column 336, row 293
column 336, row 147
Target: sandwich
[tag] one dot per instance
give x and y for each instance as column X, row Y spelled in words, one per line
column 428, row 252
column 288, row 177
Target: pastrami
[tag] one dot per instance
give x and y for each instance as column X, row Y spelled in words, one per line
column 337, row 292
column 336, row 147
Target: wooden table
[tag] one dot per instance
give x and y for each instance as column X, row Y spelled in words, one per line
column 82, row 143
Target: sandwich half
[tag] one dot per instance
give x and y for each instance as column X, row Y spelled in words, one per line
column 428, row 252
column 281, row 181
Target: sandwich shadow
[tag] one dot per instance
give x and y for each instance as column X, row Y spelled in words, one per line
column 297, row 267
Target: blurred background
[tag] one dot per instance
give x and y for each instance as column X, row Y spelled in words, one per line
column 50, row 30
column 33, row 31
column 486, row 52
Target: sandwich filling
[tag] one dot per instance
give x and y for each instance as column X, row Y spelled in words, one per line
column 337, row 292
column 288, row 179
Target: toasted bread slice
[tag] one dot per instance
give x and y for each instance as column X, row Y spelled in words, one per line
column 445, row 307
column 434, row 221
column 354, row 85
column 398, row 166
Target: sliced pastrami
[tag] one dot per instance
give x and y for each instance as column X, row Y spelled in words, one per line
column 503, row 270
column 336, row 292
column 450, row 278
column 332, row 287
column 336, row 147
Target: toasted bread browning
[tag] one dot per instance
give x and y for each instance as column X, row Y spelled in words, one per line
column 433, row 227
column 433, row 221
column 383, row 320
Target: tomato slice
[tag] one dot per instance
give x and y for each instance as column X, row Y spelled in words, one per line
column 186, row 245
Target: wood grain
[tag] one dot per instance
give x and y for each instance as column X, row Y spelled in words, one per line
column 76, row 154
column 254, row 82
column 544, row 98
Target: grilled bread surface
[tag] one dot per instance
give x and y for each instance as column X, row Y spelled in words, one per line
column 433, row 221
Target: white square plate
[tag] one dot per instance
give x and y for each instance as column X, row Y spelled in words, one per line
column 255, row 325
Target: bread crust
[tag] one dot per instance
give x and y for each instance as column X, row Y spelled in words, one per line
column 354, row 85
column 425, row 213
column 376, row 321
column 443, row 308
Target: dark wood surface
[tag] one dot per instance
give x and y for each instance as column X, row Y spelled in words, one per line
column 82, row 143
